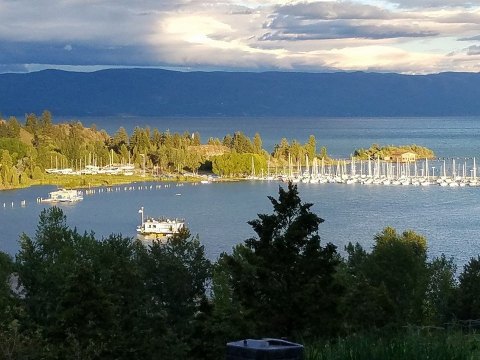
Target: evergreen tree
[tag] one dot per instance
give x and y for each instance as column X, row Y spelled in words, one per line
column 468, row 298
column 283, row 278
column 257, row 144
column 31, row 123
column 119, row 139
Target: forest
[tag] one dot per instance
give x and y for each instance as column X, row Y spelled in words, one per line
column 27, row 150
column 67, row 295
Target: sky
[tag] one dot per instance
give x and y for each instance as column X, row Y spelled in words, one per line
column 402, row 36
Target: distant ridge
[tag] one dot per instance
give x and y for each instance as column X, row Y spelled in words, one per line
column 152, row 92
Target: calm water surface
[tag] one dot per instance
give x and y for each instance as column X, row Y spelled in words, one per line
column 218, row 213
column 448, row 137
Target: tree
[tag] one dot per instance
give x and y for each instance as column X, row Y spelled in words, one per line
column 177, row 275
column 283, row 277
column 46, row 123
column 311, row 147
column 119, row 139
column 323, row 152
column 241, row 143
column 31, row 123
column 468, row 298
column 228, row 141
column 13, row 342
column 389, row 285
column 441, row 290
column 257, row 144
column 399, row 262
column 57, row 268
column 13, row 127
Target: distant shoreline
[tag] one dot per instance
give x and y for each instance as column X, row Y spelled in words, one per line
column 95, row 181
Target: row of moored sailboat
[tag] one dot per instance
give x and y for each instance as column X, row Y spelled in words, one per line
column 378, row 172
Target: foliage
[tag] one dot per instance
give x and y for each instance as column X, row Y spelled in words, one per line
column 41, row 144
column 235, row 164
column 392, row 285
column 276, row 276
column 72, row 296
column 14, row 147
column 112, row 298
column 297, row 153
column 468, row 300
column 439, row 302
column 392, row 152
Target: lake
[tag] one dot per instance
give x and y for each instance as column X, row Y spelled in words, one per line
column 218, row 212
column 448, row 136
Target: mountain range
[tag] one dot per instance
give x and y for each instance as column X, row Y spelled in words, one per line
column 155, row 92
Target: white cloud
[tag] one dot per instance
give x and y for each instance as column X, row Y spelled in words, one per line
column 397, row 35
column 435, row 3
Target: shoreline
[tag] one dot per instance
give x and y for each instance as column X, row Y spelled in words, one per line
column 95, row 181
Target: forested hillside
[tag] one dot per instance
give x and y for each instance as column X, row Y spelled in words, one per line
column 29, row 150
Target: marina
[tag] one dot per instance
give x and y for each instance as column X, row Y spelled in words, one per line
column 460, row 173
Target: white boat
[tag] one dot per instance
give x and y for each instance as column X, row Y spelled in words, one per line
column 159, row 228
column 64, row 195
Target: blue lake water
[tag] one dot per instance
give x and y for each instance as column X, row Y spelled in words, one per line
column 448, row 137
column 448, row 217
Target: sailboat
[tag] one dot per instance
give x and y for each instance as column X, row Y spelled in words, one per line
column 426, row 181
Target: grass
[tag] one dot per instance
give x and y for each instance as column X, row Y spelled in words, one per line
column 407, row 346
column 87, row 181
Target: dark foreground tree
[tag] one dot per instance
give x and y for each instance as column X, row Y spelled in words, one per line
column 468, row 300
column 283, row 280
column 113, row 298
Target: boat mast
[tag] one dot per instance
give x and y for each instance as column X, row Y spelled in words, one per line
column 141, row 216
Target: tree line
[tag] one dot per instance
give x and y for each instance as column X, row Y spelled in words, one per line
column 71, row 296
column 27, row 149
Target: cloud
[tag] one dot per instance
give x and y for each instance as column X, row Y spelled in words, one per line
column 81, row 54
column 473, row 50
column 341, row 30
column 472, row 38
column 340, row 20
column 13, row 68
column 330, row 10
column 405, row 35
column 434, row 3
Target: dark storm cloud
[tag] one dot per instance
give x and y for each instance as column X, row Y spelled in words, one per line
column 77, row 54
